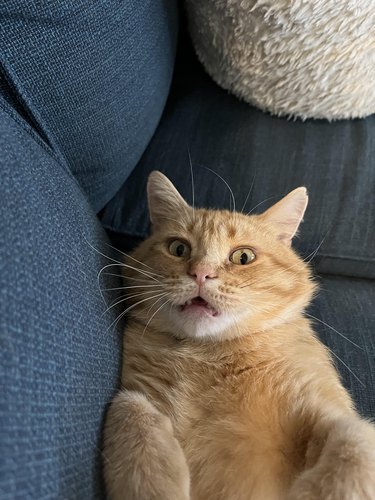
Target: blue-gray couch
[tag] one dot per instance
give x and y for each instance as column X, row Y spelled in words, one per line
column 89, row 105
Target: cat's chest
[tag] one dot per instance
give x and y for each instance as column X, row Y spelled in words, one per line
column 198, row 389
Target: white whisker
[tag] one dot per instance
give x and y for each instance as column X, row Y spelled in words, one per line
column 225, row 182
column 334, row 329
column 122, row 265
column 129, row 309
column 248, row 194
column 142, row 271
column 256, row 206
column 128, row 297
column 132, row 286
column 157, row 310
column 125, row 277
column 133, row 258
column 192, row 180
column 347, row 367
column 101, row 253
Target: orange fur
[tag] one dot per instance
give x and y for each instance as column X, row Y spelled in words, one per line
column 243, row 405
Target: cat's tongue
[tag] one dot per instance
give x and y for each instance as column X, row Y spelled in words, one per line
column 199, row 305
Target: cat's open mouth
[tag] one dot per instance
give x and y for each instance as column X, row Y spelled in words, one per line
column 199, row 305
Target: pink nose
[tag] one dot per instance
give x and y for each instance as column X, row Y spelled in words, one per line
column 202, row 273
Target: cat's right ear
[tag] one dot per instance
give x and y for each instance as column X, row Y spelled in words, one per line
column 164, row 201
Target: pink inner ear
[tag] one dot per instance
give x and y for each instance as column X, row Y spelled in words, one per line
column 286, row 215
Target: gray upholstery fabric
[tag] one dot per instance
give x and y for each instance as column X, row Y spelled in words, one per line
column 346, row 305
column 59, row 355
column 93, row 77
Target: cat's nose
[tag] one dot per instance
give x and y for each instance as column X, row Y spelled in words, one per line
column 202, row 273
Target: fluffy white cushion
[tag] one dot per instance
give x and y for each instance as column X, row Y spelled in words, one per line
column 306, row 58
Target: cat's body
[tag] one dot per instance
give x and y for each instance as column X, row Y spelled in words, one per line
column 218, row 408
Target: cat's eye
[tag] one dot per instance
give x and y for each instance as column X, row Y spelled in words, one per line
column 179, row 248
column 242, row 256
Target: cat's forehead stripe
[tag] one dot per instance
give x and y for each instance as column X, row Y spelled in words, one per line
column 231, row 229
column 214, row 223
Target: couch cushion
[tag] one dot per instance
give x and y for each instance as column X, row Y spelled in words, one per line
column 93, row 76
column 336, row 161
column 59, row 355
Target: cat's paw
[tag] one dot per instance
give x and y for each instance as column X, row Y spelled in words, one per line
column 142, row 458
column 345, row 469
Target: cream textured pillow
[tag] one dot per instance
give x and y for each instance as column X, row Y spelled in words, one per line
column 306, row 58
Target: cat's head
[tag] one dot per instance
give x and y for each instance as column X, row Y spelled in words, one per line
column 215, row 273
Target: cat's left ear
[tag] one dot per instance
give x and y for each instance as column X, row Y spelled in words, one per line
column 164, row 201
column 287, row 214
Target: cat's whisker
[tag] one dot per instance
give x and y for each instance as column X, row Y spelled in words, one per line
column 98, row 278
column 333, row 329
column 313, row 254
column 125, row 277
column 347, row 367
column 101, row 253
column 122, row 298
column 133, row 286
column 227, row 185
column 114, row 323
column 154, row 314
column 153, row 305
column 248, row 194
column 106, row 267
column 99, row 273
column 133, row 258
column 261, row 203
column 145, row 273
column 122, row 265
column 128, row 297
column 192, row 180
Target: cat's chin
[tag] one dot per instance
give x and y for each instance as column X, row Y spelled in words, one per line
column 199, row 321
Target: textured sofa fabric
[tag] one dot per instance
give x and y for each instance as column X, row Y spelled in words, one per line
column 59, row 354
column 346, row 305
column 93, row 77
column 336, row 161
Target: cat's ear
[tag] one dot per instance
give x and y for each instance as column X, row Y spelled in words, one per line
column 164, row 201
column 287, row 214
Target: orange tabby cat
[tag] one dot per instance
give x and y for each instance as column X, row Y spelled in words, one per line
column 227, row 394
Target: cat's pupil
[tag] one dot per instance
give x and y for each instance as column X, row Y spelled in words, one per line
column 244, row 258
column 180, row 250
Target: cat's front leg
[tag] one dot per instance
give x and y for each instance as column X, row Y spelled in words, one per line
column 142, row 458
column 340, row 463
